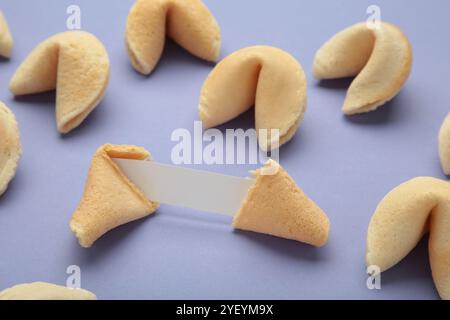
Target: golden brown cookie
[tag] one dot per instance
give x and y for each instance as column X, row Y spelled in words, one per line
column 380, row 58
column 188, row 22
column 110, row 199
column 275, row 205
column 44, row 291
column 76, row 64
column 268, row 78
column 401, row 219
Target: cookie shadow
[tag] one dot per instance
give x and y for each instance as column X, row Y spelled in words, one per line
column 91, row 123
column 4, row 60
column 47, row 101
column 174, row 56
column 40, row 99
column 244, row 121
column 414, row 267
column 108, row 244
column 297, row 142
column 390, row 112
column 335, row 84
column 289, row 248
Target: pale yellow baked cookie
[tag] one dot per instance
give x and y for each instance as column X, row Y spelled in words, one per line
column 10, row 147
column 404, row 215
column 444, row 145
column 268, row 78
column 6, row 40
column 76, row 64
column 188, row 22
column 379, row 57
column 45, row 291
column 110, row 199
column 275, row 205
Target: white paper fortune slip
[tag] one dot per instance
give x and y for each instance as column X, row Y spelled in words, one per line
column 201, row 190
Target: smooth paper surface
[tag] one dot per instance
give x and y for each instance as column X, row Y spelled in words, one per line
column 195, row 189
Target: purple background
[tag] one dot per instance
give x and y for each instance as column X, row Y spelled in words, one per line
column 345, row 164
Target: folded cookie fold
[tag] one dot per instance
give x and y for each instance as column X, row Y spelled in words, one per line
column 379, row 56
column 402, row 217
column 6, row 40
column 110, row 199
column 76, row 64
column 10, row 147
column 275, row 205
column 444, row 145
column 45, row 291
column 188, row 22
column 268, row 78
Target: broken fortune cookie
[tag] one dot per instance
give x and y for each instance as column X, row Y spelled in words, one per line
column 188, row 22
column 267, row 77
column 110, row 199
column 274, row 204
column 76, row 64
column 380, row 56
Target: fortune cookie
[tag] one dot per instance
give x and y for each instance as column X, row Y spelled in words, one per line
column 380, row 56
column 275, row 205
column 10, row 148
column 76, row 64
column 266, row 77
column 45, row 291
column 188, row 22
column 6, row 41
column 404, row 215
column 444, row 145
column 110, row 199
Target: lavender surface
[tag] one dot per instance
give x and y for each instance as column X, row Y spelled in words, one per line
column 346, row 164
